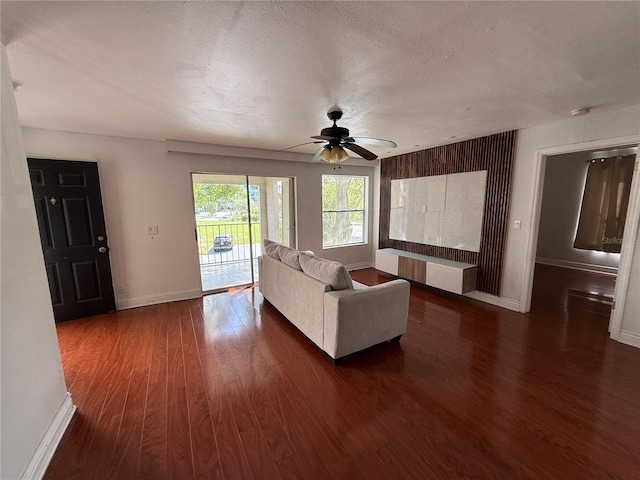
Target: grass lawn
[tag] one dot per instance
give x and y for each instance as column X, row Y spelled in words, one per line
column 209, row 229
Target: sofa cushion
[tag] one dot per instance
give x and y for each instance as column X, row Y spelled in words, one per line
column 271, row 248
column 289, row 256
column 327, row 271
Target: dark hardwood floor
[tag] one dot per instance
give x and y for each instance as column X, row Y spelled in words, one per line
column 225, row 387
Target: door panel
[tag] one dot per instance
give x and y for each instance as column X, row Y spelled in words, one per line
column 86, row 280
column 44, row 226
column 54, row 284
column 72, row 233
column 72, row 179
column 77, row 222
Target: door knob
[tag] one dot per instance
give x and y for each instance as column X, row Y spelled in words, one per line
column 102, row 250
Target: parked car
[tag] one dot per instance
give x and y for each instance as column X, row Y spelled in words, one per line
column 222, row 242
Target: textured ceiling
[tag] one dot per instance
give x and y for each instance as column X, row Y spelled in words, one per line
column 263, row 74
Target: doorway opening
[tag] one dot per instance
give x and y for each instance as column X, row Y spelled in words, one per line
column 569, row 277
column 234, row 214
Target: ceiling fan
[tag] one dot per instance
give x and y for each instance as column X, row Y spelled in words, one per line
column 336, row 139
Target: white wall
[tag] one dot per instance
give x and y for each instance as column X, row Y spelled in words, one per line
column 143, row 184
column 33, row 392
column 592, row 129
column 564, row 179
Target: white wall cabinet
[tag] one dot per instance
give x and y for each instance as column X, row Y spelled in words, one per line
column 449, row 275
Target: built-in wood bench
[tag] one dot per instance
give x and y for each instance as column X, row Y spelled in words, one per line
column 456, row 277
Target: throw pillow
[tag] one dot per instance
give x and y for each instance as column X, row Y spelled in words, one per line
column 327, row 271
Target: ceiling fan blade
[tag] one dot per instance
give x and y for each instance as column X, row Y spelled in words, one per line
column 299, row 145
column 363, row 152
column 372, row 141
column 316, row 158
column 325, row 137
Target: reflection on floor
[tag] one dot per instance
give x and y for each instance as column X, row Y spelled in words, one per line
column 573, row 292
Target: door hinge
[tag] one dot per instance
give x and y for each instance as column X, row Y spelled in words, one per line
column 613, row 305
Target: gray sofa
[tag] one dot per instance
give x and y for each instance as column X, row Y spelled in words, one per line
column 319, row 297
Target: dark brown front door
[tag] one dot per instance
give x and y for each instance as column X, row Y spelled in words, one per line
column 72, row 233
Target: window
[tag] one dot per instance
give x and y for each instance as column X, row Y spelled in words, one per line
column 604, row 204
column 344, row 214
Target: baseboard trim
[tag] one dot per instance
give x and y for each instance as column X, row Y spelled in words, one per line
column 629, row 338
column 493, row 300
column 585, row 267
column 47, row 447
column 359, row 266
column 169, row 297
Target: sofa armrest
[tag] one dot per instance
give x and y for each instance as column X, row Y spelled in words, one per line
column 357, row 319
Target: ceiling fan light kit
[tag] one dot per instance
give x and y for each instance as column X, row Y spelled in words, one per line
column 333, row 154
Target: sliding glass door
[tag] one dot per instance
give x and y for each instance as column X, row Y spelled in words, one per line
column 233, row 215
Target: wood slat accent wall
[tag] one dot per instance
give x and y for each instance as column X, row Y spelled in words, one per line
column 493, row 153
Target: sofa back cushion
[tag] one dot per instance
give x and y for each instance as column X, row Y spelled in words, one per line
column 289, row 256
column 271, row 248
column 327, row 271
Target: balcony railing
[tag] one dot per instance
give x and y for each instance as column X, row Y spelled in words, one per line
column 240, row 249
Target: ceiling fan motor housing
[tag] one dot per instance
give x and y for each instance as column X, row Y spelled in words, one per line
column 339, row 133
column 336, row 132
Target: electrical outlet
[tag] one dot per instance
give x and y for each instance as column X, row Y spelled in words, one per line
column 122, row 288
column 517, row 224
column 152, row 229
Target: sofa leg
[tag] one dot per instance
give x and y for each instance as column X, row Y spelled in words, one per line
column 395, row 339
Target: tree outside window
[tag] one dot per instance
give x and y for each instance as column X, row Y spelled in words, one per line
column 344, row 199
column 226, row 201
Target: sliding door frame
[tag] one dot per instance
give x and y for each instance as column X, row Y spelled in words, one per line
column 293, row 212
